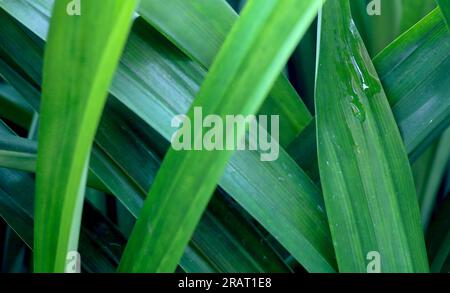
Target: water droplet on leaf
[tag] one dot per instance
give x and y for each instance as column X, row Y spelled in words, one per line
column 358, row 109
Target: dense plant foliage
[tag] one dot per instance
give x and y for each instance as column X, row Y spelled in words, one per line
column 359, row 180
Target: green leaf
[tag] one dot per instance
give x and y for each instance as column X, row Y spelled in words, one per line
column 377, row 30
column 156, row 90
column 396, row 16
column 35, row 11
column 14, row 107
column 254, row 47
column 435, row 175
column 302, row 67
column 220, row 244
column 146, row 56
column 212, row 240
column 18, row 153
column 124, row 164
column 366, row 179
column 445, row 10
column 413, row 11
column 230, row 244
column 421, row 170
column 69, row 118
column 304, row 151
column 414, row 73
column 29, row 50
column 20, row 84
column 227, row 256
column 209, row 23
column 17, row 209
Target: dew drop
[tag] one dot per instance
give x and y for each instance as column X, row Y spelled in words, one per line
column 358, row 109
column 320, row 208
column 358, row 149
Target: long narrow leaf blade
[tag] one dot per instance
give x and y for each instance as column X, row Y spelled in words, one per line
column 156, row 90
column 224, row 247
column 413, row 70
column 186, row 192
column 13, row 106
column 436, row 173
column 84, row 50
column 17, row 209
column 445, row 9
column 18, row 153
column 414, row 73
column 229, row 253
column 379, row 29
column 413, row 11
column 210, row 22
column 367, row 182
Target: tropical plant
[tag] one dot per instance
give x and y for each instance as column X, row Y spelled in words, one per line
column 89, row 91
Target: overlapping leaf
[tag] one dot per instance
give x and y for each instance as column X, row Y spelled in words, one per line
column 132, row 175
column 235, row 91
column 211, row 21
column 69, row 118
column 412, row 71
column 366, row 179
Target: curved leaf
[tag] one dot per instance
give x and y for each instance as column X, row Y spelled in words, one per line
column 123, row 163
column 435, row 175
column 69, row 118
column 254, row 47
column 156, row 82
column 412, row 70
column 14, row 107
column 210, row 22
column 367, row 182
column 414, row 73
